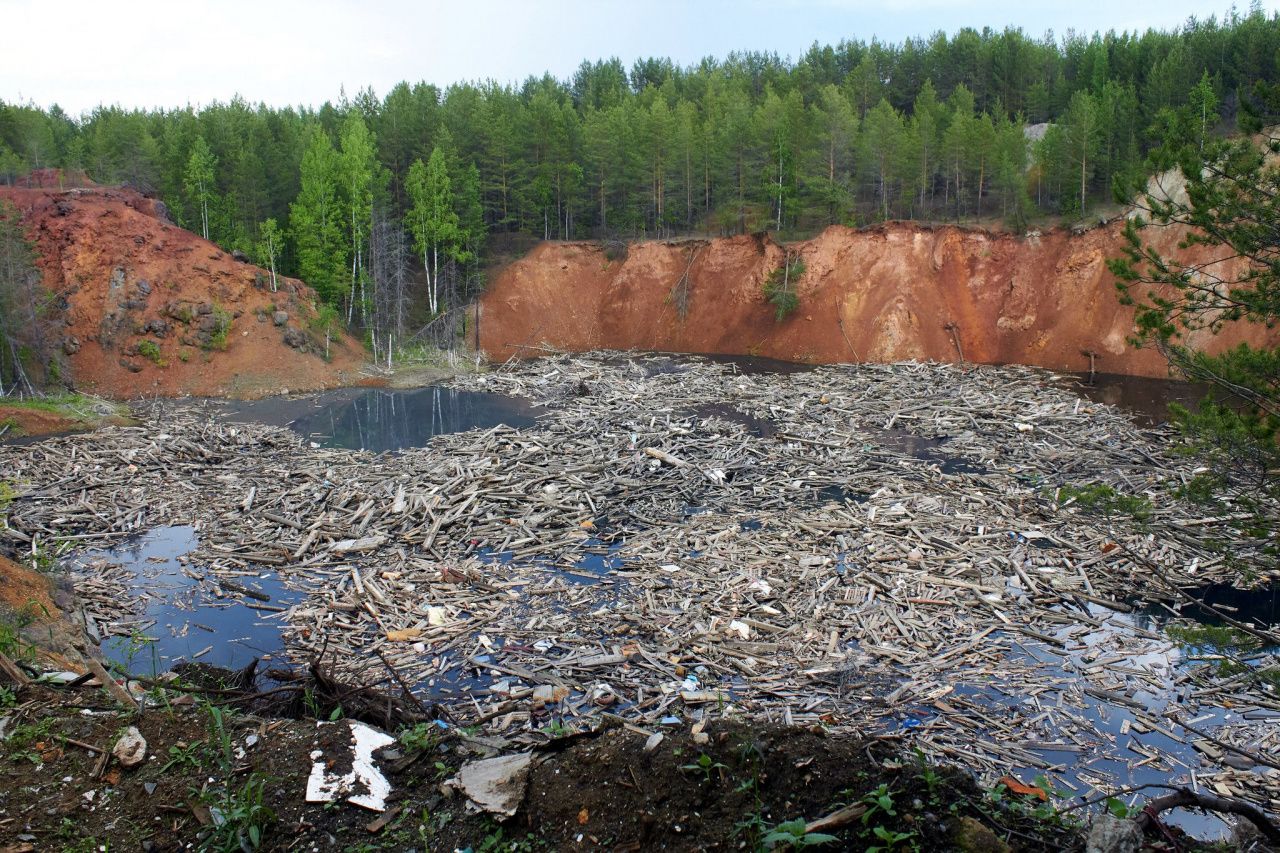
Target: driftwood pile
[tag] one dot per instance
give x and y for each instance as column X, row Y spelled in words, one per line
column 887, row 549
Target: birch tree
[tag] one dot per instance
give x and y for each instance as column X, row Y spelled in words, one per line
column 199, row 178
column 432, row 220
column 268, row 249
column 357, row 165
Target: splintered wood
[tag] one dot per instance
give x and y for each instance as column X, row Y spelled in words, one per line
column 893, row 549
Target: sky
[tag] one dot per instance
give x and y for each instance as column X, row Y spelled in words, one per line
column 171, row 53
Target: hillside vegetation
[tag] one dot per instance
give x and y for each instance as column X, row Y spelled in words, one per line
column 973, row 125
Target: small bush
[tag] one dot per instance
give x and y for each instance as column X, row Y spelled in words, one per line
column 222, row 328
column 615, row 250
column 780, row 288
column 150, row 350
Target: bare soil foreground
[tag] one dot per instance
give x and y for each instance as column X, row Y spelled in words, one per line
column 149, row 309
column 882, row 294
column 966, row 562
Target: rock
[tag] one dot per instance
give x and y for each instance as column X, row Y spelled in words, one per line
column 496, row 785
column 131, row 366
column 295, row 338
column 131, row 749
column 71, row 345
column 972, row 836
column 144, row 286
column 1110, row 834
column 280, row 318
column 240, row 256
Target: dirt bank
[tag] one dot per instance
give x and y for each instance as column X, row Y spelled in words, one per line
column 150, row 309
column 898, row 291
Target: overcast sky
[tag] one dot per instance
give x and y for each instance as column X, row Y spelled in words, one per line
column 145, row 53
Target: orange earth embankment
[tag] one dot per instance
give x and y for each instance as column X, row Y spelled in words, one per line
column 893, row 292
column 145, row 308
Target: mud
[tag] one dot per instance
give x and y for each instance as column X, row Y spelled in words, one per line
column 897, row 291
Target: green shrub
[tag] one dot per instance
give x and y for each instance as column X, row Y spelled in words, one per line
column 151, row 351
column 780, row 288
column 222, row 328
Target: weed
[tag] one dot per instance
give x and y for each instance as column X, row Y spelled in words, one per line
column 423, row 737
column 557, row 729
column 707, row 766
column 240, row 818
column 7, row 494
column 890, row 839
column 184, row 755
column 792, row 834
column 150, row 350
column 219, row 734
column 21, row 743
column 221, row 331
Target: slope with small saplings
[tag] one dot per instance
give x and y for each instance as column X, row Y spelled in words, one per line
column 146, row 308
column 897, row 291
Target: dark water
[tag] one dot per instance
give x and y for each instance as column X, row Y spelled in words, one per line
column 378, row 420
column 927, row 450
column 191, row 615
column 1145, row 398
column 1259, row 607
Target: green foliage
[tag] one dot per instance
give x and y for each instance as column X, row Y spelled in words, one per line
column 199, row 182
column 1231, row 205
column 1218, row 637
column 185, row 756
column 221, row 332
column 1101, row 499
column 241, row 818
column 780, row 288
column 422, row 737
column 219, row 734
column 315, row 218
column 707, row 766
column 150, row 350
column 791, row 834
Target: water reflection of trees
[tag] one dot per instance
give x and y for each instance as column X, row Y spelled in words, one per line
column 383, row 420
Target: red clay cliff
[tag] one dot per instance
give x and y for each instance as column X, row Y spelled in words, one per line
column 146, row 308
column 893, row 292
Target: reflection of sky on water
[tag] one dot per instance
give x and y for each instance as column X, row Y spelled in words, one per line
column 380, row 420
column 189, row 616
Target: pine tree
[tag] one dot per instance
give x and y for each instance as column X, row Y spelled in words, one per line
column 315, row 219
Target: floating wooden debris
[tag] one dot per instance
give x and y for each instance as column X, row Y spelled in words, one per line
column 883, row 548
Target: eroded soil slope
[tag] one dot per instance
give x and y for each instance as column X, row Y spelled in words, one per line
column 899, row 291
column 147, row 308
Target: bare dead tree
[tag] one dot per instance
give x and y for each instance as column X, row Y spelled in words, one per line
column 27, row 328
column 390, row 261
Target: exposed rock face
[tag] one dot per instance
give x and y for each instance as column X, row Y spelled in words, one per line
column 122, row 273
column 898, row 291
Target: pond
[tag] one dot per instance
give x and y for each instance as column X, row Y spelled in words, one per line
column 381, row 420
column 186, row 616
